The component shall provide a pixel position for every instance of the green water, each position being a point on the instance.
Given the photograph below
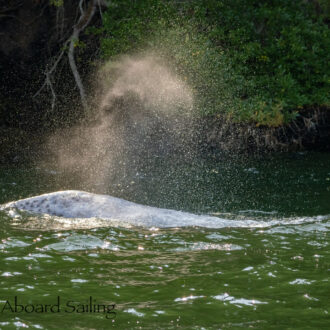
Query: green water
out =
(188, 278)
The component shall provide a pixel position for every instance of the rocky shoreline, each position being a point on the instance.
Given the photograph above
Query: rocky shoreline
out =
(310, 131)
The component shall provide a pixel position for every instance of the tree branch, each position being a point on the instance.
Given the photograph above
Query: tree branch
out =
(48, 73)
(70, 44)
(83, 21)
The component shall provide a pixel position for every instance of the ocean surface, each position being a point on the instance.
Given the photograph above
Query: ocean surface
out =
(250, 248)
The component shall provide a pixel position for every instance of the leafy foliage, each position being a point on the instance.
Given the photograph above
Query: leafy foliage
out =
(260, 61)
(56, 3)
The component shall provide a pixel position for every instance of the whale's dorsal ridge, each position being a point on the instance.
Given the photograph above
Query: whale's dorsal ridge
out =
(81, 204)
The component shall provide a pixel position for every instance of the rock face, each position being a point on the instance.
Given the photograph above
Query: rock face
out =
(25, 27)
(31, 34)
(310, 131)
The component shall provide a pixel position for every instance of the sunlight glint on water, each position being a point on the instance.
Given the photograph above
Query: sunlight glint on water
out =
(276, 276)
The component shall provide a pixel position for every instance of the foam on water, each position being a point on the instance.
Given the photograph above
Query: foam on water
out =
(72, 206)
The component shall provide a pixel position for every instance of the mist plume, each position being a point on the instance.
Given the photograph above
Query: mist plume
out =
(143, 110)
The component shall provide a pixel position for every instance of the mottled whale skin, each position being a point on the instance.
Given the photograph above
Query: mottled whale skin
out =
(80, 204)
(84, 205)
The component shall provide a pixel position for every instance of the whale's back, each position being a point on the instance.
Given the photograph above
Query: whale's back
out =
(80, 204)
(84, 205)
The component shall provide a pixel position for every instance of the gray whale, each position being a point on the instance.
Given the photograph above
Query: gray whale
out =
(80, 204)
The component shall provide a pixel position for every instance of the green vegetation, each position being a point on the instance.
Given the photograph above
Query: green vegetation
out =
(248, 60)
(56, 3)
